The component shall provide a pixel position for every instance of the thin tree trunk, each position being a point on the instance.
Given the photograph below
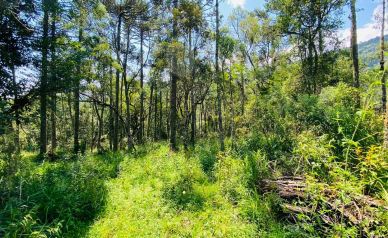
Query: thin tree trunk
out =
(354, 49)
(116, 117)
(150, 110)
(156, 112)
(15, 91)
(186, 118)
(111, 102)
(221, 130)
(383, 88)
(92, 137)
(242, 89)
(193, 105)
(54, 93)
(43, 86)
(174, 79)
(76, 98)
(127, 99)
(160, 114)
(141, 89)
(231, 103)
(70, 112)
(100, 124)
(167, 116)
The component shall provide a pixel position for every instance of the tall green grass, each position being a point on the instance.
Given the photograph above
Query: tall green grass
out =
(149, 193)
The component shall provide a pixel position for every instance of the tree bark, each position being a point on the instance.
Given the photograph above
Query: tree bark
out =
(220, 128)
(193, 104)
(54, 93)
(17, 130)
(383, 88)
(160, 114)
(174, 79)
(150, 110)
(111, 102)
(156, 113)
(127, 99)
(76, 98)
(354, 49)
(231, 103)
(141, 88)
(116, 117)
(43, 86)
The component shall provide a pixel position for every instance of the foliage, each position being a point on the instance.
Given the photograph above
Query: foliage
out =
(51, 199)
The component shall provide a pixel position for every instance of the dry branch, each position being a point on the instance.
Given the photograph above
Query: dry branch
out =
(362, 208)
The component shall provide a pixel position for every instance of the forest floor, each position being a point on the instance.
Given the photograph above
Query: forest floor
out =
(149, 193)
(161, 194)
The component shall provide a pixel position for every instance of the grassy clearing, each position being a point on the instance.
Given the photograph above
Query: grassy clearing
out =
(159, 194)
(150, 193)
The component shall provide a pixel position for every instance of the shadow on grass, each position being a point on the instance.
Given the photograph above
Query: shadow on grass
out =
(56, 198)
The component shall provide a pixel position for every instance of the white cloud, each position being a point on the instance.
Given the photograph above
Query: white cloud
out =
(368, 31)
(236, 3)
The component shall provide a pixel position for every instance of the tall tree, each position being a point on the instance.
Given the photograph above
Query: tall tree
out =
(15, 48)
(77, 92)
(308, 23)
(53, 81)
(44, 79)
(218, 80)
(118, 52)
(354, 48)
(174, 79)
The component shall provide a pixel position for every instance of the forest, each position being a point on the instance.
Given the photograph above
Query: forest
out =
(165, 118)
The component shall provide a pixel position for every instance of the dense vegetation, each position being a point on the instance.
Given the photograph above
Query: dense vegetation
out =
(140, 118)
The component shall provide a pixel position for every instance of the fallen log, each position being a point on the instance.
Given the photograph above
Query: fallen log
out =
(361, 208)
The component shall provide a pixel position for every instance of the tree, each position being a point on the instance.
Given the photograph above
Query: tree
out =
(53, 78)
(218, 80)
(354, 48)
(307, 23)
(44, 79)
(383, 88)
(174, 79)
(15, 46)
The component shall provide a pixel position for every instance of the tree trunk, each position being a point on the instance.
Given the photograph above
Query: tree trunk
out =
(150, 110)
(383, 88)
(116, 117)
(127, 99)
(100, 124)
(174, 79)
(231, 103)
(186, 117)
(193, 104)
(160, 114)
(92, 134)
(221, 131)
(43, 86)
(76, 98)
(15, 90)
(167, 117)
(242, 89)
(354, 49)
(156, 112)
(53, 83)
(111, 102)
(141, 89)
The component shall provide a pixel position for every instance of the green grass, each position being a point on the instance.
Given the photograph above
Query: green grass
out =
(150, 193)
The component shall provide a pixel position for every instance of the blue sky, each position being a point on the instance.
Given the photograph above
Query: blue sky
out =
(366, 23)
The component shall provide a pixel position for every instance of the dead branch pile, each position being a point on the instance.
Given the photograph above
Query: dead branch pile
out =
(358, 208)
